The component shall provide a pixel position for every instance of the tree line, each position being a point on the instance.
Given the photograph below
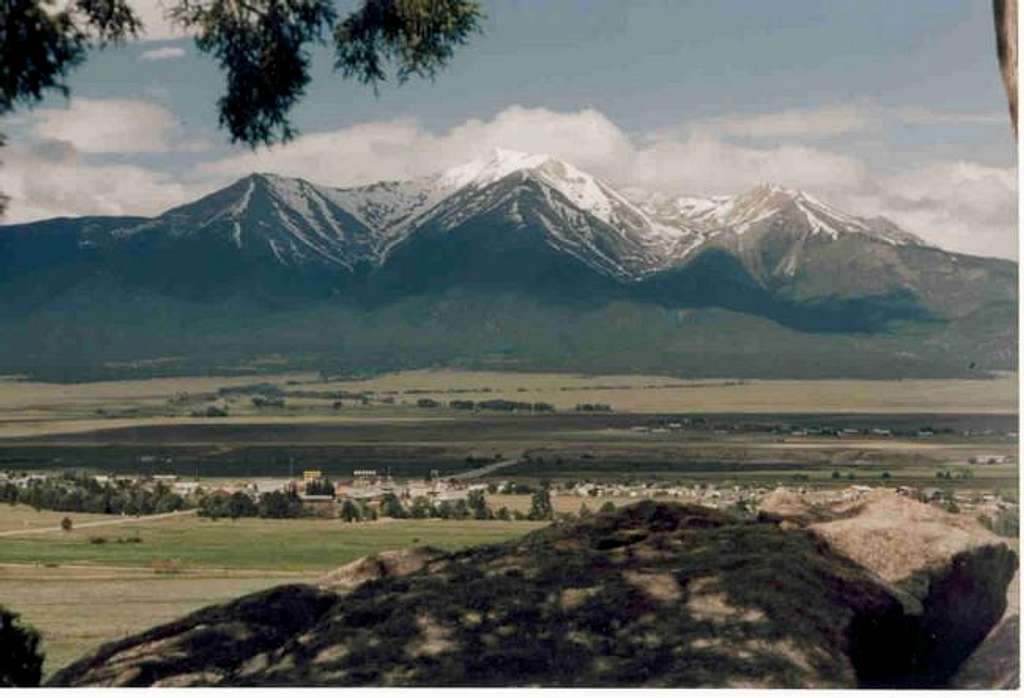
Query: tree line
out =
(288, 505)
(83, 493)
(269, 505)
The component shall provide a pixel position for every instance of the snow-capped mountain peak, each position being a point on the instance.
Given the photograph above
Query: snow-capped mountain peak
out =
(628, 235)
(490, 168)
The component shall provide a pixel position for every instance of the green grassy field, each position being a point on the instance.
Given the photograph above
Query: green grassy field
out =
(80, 594)
(13, 518)
(301, 545)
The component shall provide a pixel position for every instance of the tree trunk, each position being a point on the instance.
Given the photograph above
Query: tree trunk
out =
(1005, 12)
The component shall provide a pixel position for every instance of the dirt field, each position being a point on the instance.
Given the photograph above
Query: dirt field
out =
(76, 609)
(31, 409)
(641, 393)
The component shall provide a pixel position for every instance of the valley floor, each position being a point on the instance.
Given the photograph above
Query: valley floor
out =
(110, 577)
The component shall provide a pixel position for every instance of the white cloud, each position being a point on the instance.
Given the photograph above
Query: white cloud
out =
(51, 179)
(112, 126)
(963, 206)
(824, 122)
(588, 139)
(956, 205)
(401, 149)
(156, 25)
(704, 164)
(924, 116)
(162, 54)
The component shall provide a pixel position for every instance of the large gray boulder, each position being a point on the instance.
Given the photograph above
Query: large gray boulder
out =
(951, 573)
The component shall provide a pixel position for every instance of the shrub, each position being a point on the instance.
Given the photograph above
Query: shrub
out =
(21, 662)
(97, 540)
(477, 504)
(1006, 523)
(391, 507)
(65, 524)
(350, 512)
(166, 566)
(540, 507)
(421, 508)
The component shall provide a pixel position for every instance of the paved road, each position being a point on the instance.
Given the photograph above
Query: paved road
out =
(486, 470)
(95, 524)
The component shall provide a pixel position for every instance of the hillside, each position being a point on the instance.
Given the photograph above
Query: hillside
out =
(652, 595)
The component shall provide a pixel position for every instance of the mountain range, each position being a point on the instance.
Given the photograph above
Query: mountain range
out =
(517, 259)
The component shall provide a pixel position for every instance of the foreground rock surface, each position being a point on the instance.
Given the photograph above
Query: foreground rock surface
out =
(652, 595)
(952, 573)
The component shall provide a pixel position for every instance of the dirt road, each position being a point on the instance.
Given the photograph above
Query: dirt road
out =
(96, 524)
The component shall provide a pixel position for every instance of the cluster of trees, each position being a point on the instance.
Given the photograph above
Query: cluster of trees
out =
(593, 407)
(357, 511)
(269, 505)
(264, 401)
(964, 474)
(83, 493)
(211, 411)
(514, 406)
(474, 506)
(498, 405)
(254, 389)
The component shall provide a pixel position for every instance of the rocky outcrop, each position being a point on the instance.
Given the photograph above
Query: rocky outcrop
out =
(996, 661)
(652, 595)
(390, 563)
(950, 571)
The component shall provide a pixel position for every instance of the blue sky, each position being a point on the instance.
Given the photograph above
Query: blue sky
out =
(883, 107)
